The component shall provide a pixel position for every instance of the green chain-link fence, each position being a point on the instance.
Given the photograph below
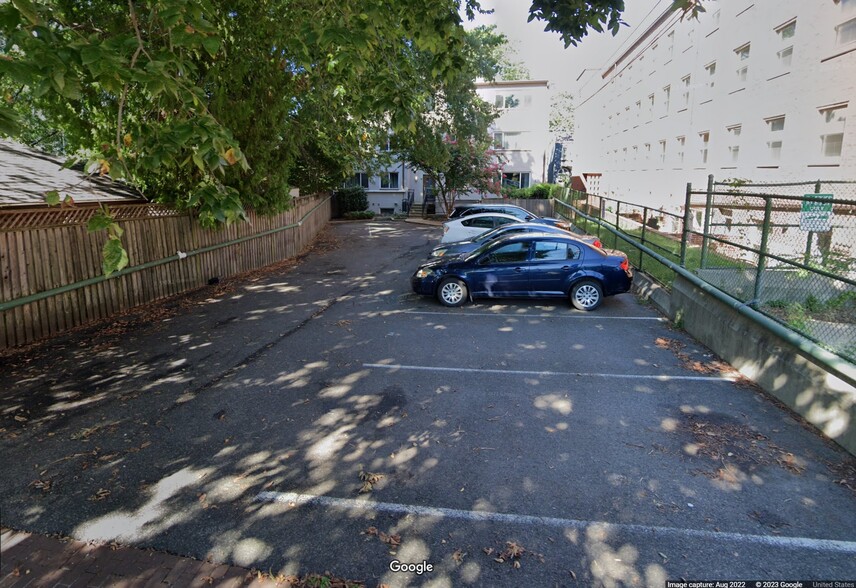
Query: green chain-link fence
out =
(788, 250)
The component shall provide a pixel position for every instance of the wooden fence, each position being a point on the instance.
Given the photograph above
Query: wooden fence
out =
(50, 266)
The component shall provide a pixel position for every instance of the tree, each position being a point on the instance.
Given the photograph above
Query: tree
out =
(494, 56)
(572, 19)
(561, 122)
(450, 142)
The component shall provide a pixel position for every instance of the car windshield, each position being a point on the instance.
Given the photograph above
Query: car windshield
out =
(491, 235)
(479, 250)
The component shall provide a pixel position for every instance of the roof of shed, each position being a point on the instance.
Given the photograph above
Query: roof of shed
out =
(26, 175)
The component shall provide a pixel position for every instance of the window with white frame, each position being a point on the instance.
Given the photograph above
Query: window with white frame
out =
(775, 130)
(742, 54)
(635, 152)
(670, 45)
(679, 153)
(515, 179)
(734, 142)
(845, 32)
(506, 140)
(785, 34)
(647, 152)
(704, 143)
(504, 101)
(389, 180)
(832, 133)
(359, 179)
(667, 97)
(685, 92)
(662, 151)
(710, 71)
(650, 106)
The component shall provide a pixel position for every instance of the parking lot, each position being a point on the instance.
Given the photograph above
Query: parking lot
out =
(323, 417)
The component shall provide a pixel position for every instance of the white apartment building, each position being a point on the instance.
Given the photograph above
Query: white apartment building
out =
(521, 133)
(754, 89)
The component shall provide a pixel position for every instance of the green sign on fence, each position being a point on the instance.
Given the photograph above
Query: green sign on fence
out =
(816, 216)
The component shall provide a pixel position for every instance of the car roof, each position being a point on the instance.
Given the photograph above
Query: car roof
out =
(541, 237)
(482, 215)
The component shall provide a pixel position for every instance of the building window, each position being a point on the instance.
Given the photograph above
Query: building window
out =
(785, 56)
(515, 179)
(389, 181)
(845, 32)
(775, 128)
(667, 96)
(704, 139)
(498, 140)
(685, 92)
(647, 152)
(679, 154)
(505, 140)
(663, 151)
(734, 142)
(776, 124)
(357, 180)
(787, 31)
(710, 69)
(650, 106)
(670, 45)
(742, 54)
(504, 101)
(832, 130)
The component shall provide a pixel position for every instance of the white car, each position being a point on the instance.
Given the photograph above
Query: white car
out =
(473, 225)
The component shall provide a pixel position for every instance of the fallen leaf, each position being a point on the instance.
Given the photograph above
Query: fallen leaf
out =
(458, 556)
(20, 419)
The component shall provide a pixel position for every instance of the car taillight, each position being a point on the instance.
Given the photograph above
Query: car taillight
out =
(625, 264)
(597, 243)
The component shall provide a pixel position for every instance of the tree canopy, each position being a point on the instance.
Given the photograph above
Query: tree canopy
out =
(216, 105)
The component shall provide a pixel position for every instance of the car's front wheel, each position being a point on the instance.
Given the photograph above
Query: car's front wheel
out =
(586, 295)
(452, 292)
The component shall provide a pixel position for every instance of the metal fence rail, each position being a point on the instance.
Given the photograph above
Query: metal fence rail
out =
(787, 250)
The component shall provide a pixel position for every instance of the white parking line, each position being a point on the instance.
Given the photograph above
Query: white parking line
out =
(543, 374)
(368, 507)
(551, 316)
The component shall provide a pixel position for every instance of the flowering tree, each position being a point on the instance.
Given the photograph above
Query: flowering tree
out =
(458, 167)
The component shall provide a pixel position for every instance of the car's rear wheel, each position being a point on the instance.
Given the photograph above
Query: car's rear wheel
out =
(586, 295)
(452, 292)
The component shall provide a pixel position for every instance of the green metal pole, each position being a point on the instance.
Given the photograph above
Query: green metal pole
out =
(762, 254)
(644, 226)
(685, 233)
(707, 207)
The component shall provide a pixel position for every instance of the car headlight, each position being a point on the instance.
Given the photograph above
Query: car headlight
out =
(439, 252)
(423, 272)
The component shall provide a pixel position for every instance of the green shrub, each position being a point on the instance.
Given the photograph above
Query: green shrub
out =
(352, 199)
(359, 215)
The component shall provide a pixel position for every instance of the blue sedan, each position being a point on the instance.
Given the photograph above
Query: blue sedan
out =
(459, 247)
(527, 265)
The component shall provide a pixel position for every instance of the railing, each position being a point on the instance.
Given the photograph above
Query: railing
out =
(788, 255)
(407, 203)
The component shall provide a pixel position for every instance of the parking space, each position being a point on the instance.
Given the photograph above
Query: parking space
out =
(503, 443)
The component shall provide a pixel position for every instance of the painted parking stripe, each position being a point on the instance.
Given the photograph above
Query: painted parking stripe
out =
(551, 316)
(369, 507)
(544, 374)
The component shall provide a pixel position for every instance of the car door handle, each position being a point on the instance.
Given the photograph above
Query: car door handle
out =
(518, 269)
(566, 267)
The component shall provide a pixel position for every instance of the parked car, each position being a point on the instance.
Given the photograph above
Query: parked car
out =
(467, 245)
(473, 225)
(524, 215)
(527, 265)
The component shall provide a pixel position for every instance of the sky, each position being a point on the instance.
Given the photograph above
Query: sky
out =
(544, 53)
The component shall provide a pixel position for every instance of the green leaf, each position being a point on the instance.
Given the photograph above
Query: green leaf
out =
(113, 256)
(52, 198)
(211, 44)
(28, 10)
(100, 221)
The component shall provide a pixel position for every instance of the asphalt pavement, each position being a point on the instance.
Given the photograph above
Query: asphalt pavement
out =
(318, 416)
